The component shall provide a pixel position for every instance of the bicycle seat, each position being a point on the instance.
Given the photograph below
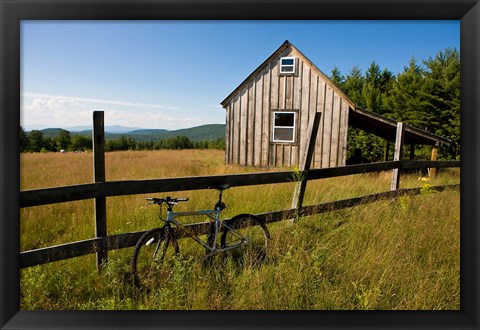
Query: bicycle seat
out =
(220, 187)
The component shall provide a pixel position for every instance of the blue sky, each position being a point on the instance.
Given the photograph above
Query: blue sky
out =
(174, 74)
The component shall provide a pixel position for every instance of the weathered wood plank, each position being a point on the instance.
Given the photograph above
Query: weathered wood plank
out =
(58, 252)
(227, 134)
(332, 172)
(289, 92)
(279, 155)
(351, 202)
(327, 127)
(257, 157)
(281, 92)
(274, 105)
(100, 203)
(317, 157)
(306, 160)
(266, 131)
(274, 86)
(243, 126)
(251, 123)
(297, 87)
(398, 155)
(335, 134)
(296, 105)
(320, 137)
(287, 154)
(342, 158)
(54, 195)
(236, 131)
(433, 171)
(411, 164)
(304, 108)
(46, 196)
(312, 107)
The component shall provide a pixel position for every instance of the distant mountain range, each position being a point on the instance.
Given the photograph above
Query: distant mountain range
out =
(109, 129)
(199, 133)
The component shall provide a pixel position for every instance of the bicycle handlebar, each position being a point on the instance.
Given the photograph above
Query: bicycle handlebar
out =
(167, 200)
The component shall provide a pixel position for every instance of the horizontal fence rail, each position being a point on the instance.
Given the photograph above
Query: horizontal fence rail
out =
(118, 188)
(38, 197)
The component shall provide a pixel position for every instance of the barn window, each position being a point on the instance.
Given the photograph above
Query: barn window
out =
(284, 126)
(287, 65)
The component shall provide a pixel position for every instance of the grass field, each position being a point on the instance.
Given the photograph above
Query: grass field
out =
(401, 254)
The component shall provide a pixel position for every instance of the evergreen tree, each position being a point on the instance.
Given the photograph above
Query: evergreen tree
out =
(37, 141)
(442, 86)
(81, 143)
(63, 140)
(24, 141)
(371, 90)
(353, 86)
(337, 78)
(407, 102)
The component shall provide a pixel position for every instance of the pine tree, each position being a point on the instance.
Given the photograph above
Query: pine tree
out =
(407, 101)
(337, 78)
(37, 141)
(353, 86)
(371, 90)
(443, 94)
(24, 141)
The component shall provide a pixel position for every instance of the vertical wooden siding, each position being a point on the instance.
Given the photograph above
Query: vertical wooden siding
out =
(249, 118)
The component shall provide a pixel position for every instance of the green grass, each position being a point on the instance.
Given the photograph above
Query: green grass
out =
(396, 254)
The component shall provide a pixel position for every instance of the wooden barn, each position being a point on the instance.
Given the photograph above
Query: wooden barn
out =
(267, 116)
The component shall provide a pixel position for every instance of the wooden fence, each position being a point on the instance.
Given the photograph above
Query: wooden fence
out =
(100, 189)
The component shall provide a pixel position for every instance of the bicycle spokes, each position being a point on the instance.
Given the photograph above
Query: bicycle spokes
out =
(152, 257)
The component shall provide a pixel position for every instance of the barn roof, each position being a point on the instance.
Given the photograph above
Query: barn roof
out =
(358, 117)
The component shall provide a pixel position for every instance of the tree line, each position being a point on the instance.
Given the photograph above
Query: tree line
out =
(36, 141)
(425, 95)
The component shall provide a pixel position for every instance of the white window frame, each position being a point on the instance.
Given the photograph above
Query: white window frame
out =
(293, 66)
(294, 127)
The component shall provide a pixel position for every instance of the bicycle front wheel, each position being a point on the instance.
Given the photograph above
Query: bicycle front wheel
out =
(152, 258)
(246, 238)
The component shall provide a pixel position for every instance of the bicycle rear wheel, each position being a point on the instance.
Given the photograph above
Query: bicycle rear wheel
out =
(254, 230)
(152, 258)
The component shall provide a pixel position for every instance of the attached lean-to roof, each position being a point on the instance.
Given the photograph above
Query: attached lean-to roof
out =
(387, 128)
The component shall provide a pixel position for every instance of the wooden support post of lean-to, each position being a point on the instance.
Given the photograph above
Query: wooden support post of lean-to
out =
(398, 156)
(433, 171)
(306, 160)
(98, 138)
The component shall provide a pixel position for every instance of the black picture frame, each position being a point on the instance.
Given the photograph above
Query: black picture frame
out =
(13, 11)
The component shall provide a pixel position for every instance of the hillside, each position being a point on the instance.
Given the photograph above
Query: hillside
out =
(199, 133)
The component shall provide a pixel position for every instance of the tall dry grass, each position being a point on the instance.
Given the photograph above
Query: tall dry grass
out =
(398, 254)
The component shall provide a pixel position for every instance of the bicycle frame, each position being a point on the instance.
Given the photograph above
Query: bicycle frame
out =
(214, 216)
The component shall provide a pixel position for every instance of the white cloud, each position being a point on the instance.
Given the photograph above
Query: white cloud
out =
(47, 110)
(101, 101)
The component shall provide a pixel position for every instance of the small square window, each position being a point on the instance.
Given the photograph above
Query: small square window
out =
(284, 126)
(287, 65)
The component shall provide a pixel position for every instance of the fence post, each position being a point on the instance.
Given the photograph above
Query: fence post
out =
(98, 138)
(433, 171)
(306, 160)
(397, 156)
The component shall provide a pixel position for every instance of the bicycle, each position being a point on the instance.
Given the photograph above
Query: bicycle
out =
(155, 253)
